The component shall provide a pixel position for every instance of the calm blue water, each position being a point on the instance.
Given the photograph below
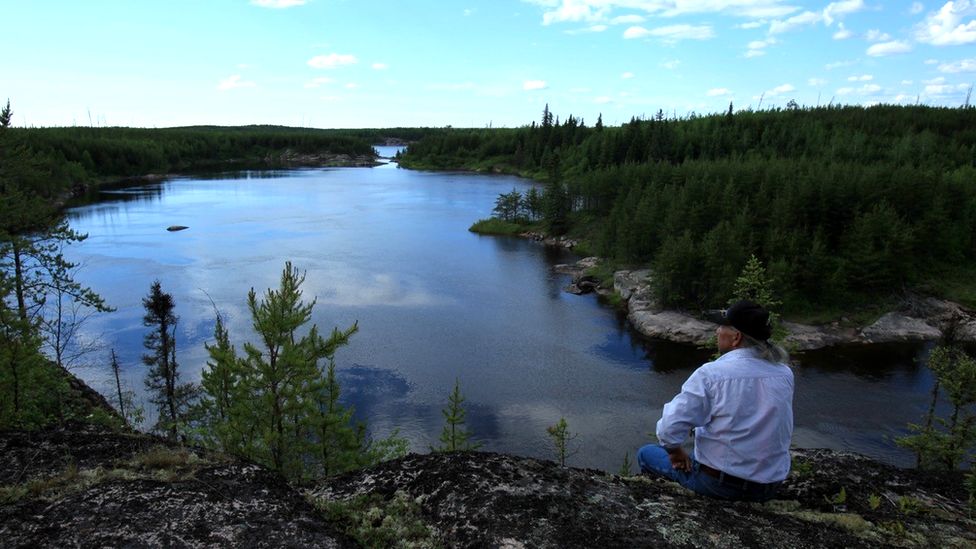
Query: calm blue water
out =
(389, 248)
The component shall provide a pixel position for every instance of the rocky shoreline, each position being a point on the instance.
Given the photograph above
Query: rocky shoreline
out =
(917, 318)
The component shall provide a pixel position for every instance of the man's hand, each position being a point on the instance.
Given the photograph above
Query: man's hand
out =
(680, 460)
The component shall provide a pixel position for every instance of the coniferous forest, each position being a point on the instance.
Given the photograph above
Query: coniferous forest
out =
(843, 205)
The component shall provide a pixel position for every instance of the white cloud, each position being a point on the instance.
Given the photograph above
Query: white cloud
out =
(380, 66)
(931, 61)
(561, 11)
(534, 85)
(585, 30)
(603, 100)
(717, 92)
(945, 89)
(917, 8)
(234, 82)
(839, 64)
(627, 20)
(277, 4)
(963, 65)
(867, 89)
(795, 22)
(907, 82)
(889, 48)
(751, 25)
(843, 33)
(817, 82)
(316, 82)
(332, 61)
(839, 9)
(937, 80)
(861, 78)
(672, 33)
(758, 47)
(671, 65)
(875, 35)
(627, 75)
(784, 88)
(351, 86)
(467, 12)
(947, 26)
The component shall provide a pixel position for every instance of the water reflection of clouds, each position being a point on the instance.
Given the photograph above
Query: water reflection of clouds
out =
(348, 288)
(382, 399)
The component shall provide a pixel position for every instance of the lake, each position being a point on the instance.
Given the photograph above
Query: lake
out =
(389, 248)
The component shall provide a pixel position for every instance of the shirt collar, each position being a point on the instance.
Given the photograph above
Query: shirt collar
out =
(738, 353)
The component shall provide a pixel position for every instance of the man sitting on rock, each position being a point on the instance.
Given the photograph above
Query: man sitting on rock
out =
(741, 409)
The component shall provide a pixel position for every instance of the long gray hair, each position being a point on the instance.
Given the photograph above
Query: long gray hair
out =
(767, 350)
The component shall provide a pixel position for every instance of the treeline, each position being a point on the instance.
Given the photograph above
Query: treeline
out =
(138, 151)
(843, 204)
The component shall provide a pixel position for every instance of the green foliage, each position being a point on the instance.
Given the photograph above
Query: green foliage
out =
(844, 205)
(275, 404)
(454, 437)
(801, 467)
(33, 391)
(497, 226)
(561, 438)
(172, 398)
(626, 466)
(376, 522)
(908, 505)
(874, 502)
(947, 442)
(840, 498)
(509, 207)
(754, 284)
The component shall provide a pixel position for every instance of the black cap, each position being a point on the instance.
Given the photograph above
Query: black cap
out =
(749, 318)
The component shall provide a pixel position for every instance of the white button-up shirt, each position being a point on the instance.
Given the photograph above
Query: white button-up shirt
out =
(742, 410)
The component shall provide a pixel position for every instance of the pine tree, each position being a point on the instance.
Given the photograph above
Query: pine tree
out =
(561, 437)
(286, 380)
(454, 437)
(124, 398)
(224, 409)
(341, 442)
(172, 398)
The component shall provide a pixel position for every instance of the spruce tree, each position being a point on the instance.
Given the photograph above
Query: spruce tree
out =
(172, 398)
(454, 437)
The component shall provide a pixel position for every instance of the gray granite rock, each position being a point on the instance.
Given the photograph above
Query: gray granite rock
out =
(626, 282)
(672, 326)
(897, 327)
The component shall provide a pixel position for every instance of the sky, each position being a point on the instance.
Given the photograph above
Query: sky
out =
(371, 63)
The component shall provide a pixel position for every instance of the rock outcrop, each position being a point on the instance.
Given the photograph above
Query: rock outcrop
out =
(918, 319)
(84, 486)
(87, 487)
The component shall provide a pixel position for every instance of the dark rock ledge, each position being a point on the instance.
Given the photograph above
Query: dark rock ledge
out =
(87, 487)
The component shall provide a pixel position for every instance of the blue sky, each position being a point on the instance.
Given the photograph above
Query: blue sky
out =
(365, 63)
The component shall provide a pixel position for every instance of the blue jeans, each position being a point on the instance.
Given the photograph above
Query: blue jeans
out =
(654, 459)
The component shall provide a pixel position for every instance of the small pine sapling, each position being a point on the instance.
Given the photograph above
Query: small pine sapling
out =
(454, 437)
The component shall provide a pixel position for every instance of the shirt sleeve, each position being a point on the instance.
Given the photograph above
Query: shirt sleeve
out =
(690, 408)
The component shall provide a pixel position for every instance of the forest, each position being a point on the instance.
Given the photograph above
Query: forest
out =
(843, 205)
